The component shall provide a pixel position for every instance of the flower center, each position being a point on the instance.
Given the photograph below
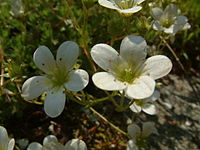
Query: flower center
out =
(166, 21)
(59, 76)
(128, 73)
(125, 4)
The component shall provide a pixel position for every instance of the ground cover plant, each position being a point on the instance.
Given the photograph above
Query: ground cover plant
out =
(99, 74)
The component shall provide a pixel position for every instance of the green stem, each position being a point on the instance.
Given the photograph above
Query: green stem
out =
(173, 53)
(97, 101)
(122, 98)
(112, 99)
(111, 124)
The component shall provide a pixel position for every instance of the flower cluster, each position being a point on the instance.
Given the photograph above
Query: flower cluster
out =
(138, 135)
(146, 104)
(17, 7)
(126, 7)
(168, 20)
(129, 70)
(59, 76)
(51, 143)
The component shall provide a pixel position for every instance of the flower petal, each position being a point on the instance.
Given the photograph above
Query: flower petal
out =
(149, 109)
(148, 128)
(34, 87)
(44, 59)
(157, 26)
(3, 138)
(104, 56)
(133, 130)
(133, 49)
(142, 87)
(106, 81)
(135, 108)
(11, 144)
(76, 144)
(139, 1)
(156, 13)
(171, 11)
(50, 138)
(107, 4)
(186, 26)
(131, 145)
(34, 146)
(54, 102)
(154, 96)
(169, 30)
(67, 54)
(130, 10)
(78, 80)
(180, 23)
(157, 66)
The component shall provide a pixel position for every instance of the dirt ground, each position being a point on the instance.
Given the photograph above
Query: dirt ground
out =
(178, 120)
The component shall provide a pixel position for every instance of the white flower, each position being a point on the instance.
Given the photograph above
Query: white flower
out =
(168, 20)
(129, 71)
(5, 142)
(146, 104)
(59, 76)
(139, 135)
(131, 145)
(126, 7)
(51, 143)
(17, 7)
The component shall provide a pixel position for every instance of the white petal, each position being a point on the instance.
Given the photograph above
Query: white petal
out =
(148, 128)
(181, 21)
(34, 87)
(34, 146)
(131, 145)
(154, 96)
(157, 26)
(157, 66)
(50, 138)
(156, 13)
(142, 87)
(3, 138)
(133, 130)
(78, 80)
(139, 1)
(171, 11)
(67, 54)
(11, 144)
(130, 10)
(104, 56)
(186, 26)
(133, 49)
(54, 103)
(107, 4)
(149, 109)
(76, 144)
(44, 59)
(106, 81)
(170, 30)
(135, 108)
